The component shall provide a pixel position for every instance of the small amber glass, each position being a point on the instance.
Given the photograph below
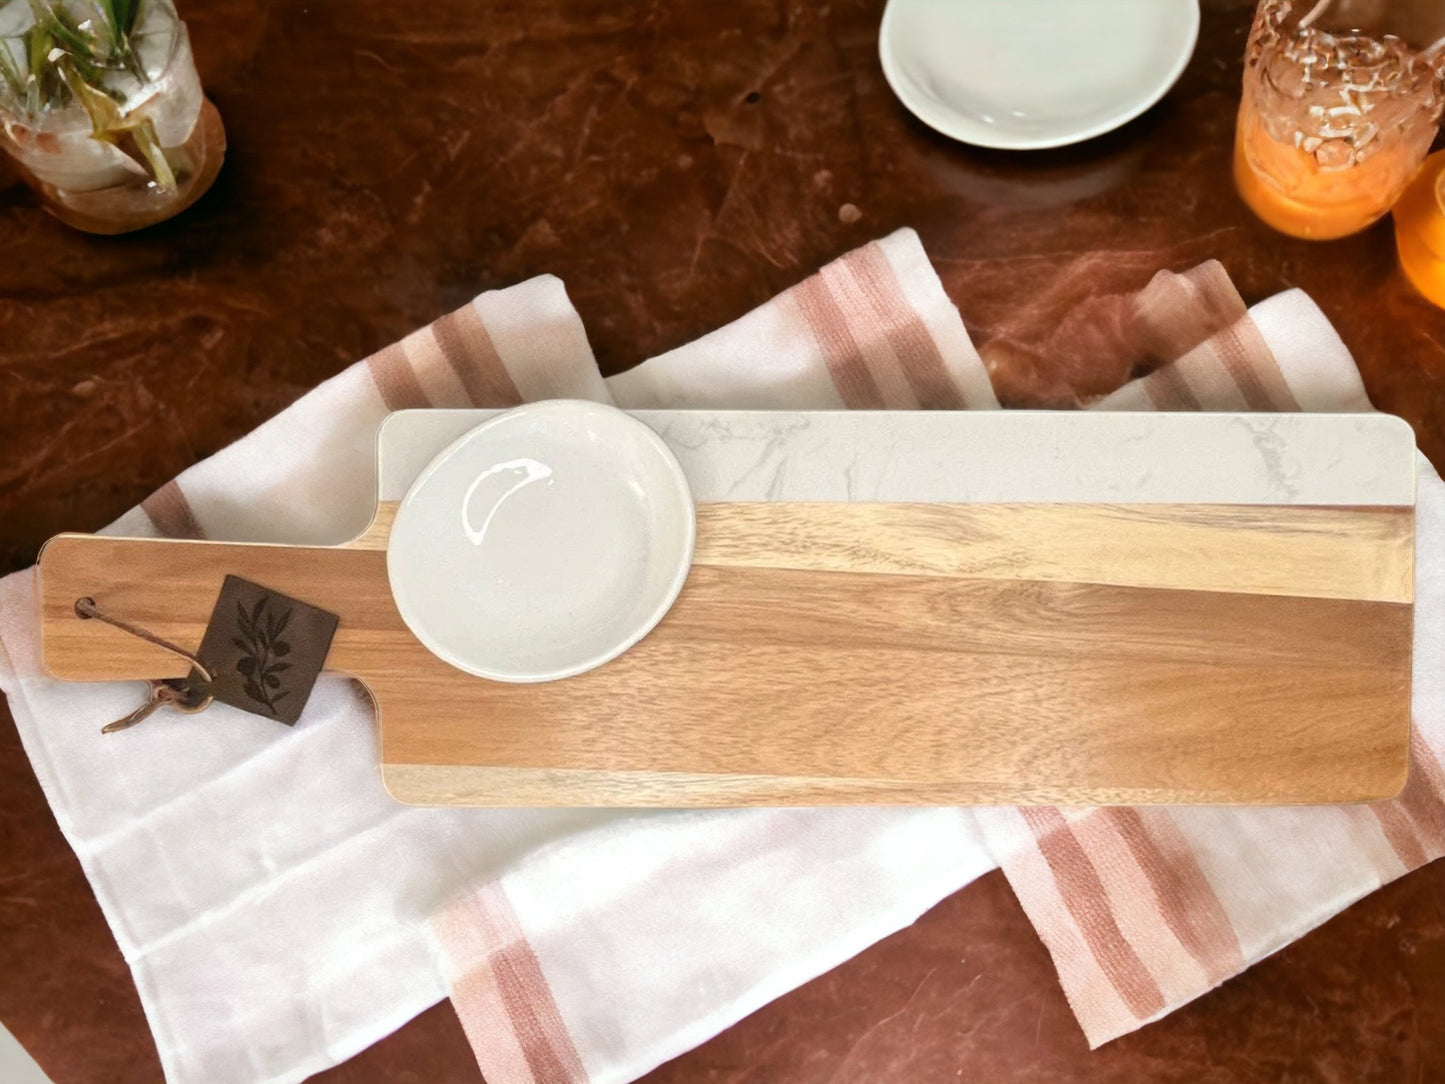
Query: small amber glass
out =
(1420, 229)
(1340, 104)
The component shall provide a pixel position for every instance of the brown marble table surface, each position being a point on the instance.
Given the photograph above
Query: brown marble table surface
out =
(676, 163)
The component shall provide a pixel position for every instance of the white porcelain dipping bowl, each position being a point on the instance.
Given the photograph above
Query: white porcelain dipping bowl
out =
(542, 543)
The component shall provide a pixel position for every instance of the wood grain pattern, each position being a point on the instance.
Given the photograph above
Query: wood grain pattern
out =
(1364, 553)
(800, 665)
(969, 690)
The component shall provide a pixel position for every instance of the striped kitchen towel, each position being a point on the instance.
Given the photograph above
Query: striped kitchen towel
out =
(1145, 909)
(279, 913)
(1142, 909)
(273, 902)
(268, 895)
(870, 331)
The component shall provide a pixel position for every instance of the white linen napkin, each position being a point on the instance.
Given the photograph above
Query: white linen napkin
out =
(270, 898)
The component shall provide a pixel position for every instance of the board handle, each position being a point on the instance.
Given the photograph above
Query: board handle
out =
(169, 587)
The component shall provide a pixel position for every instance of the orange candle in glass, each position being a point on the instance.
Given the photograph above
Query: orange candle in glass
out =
(1420, 230)
(1337, 110)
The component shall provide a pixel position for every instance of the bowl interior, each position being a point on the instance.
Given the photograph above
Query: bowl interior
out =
(542, 543)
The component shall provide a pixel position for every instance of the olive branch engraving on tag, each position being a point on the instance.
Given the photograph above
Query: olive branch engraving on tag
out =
(265, 649)
(262, 651)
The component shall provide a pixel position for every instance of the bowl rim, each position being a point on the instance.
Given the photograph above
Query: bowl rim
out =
(620, 420)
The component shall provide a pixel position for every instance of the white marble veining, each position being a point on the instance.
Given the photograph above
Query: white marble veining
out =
(995, 456)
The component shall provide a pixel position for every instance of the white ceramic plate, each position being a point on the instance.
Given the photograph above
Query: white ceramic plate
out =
(542, 543)
(1028, 74)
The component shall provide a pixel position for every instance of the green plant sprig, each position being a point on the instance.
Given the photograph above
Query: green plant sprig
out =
(11, 73)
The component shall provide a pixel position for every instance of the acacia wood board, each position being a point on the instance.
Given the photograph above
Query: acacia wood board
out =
(982, 619)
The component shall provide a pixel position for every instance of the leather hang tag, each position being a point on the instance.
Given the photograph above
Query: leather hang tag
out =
(265, 650)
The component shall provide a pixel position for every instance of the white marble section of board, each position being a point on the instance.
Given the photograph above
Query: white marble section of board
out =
(1011, 456)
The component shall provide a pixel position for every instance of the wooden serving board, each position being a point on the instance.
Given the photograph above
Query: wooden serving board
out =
(905, 608)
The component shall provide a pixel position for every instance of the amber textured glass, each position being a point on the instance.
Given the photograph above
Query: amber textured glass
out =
(1340, 104)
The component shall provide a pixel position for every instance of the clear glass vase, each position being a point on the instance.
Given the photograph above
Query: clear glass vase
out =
(106, 121)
